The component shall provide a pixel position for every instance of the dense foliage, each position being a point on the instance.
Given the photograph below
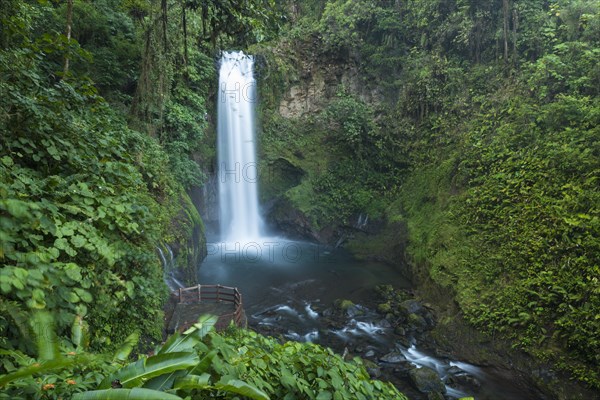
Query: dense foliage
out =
(85, 200)
(476, 125)
(194, 365)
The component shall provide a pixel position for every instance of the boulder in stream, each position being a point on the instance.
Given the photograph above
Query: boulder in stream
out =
(435, 396)
(417, 322)
(373, 369)
(392, 358)
(427, 380)
(411, 306)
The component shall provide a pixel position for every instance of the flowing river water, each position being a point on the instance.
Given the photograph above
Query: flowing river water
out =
(289, 289)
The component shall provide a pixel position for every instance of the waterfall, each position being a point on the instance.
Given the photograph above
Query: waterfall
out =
(169, 268)
(240, 220)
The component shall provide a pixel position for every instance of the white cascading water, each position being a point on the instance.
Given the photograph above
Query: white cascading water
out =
(240, 220)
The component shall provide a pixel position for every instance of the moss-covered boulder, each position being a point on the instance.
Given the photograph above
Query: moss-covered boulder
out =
(427, 380)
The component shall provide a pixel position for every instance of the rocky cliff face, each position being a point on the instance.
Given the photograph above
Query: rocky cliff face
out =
(318, 83)
(297, 149)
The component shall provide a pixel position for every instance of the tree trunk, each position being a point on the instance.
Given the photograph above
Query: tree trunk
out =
(185, 41)
(505, 9)
(69, 25)
(163, 6)
(514, 35)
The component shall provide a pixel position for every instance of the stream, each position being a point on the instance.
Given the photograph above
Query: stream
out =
(289, 289)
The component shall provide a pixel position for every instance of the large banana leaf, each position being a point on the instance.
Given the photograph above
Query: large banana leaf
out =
(240, 387)
(126, 348)
(205, 363)
(79, 332)
(125, 394)
(177, 342)
(164, 381)
(136, 374)
(193, 382)
(231, 386)
(42, 325)
(191, 337)
(204, 325)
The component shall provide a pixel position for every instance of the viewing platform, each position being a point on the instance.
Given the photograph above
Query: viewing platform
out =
(187, 304)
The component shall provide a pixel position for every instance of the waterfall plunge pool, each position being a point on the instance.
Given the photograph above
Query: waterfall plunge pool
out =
(289, 288)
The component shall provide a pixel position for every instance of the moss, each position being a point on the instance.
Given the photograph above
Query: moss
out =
(384, 308)
(343, 304)
(187, 239)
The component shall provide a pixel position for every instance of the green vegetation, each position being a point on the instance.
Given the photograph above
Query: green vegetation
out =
(338, 151)
(194, 365)
(103, 114)
(470, 130)
(83, 200)
(474, 125)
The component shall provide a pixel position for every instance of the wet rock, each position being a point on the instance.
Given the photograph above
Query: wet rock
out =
(374, 373)
(402, 369)
(384, 308)
(463, 379)
(392, 357)
(429, 319)
(427, 380)
(373, 369)
(384, 323)
(458, 377)
(385, 291)
(403, 342)
(411, 306)
(333, 324)
(400, 331)
(370, 354)
(441, 353)
(343, 304)
(435, 396)
(354, 311)
(417, 322)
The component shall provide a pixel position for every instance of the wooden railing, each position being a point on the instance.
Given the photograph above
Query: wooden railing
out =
(216, 294)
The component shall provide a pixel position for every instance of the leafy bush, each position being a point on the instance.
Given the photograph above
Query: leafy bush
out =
(295, 370)
(83, 200)
(190, 365)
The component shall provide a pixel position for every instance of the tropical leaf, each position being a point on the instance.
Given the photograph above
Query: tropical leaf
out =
(126, 348)
(243, 388)
(204, 325)
(190, 337)
(125, 394)
(79, 332)
(42, 324)
(165, 381)
(193, 382)
(177, 342)
(136, 374)
(205, 363)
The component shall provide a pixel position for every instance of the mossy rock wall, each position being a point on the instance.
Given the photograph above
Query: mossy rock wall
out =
(188, 241)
